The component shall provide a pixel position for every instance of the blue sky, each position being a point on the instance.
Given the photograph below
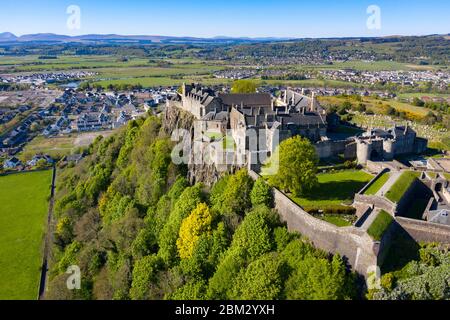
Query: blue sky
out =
(264, 18)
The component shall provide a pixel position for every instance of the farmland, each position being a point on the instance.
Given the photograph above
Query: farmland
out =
(24, 199)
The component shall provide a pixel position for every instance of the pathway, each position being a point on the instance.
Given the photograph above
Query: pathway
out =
(387, 186)
(368, 222)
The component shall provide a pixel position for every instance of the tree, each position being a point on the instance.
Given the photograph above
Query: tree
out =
(244, 86)
(198, 223)
(41, 164)
(193, 290)
(261, 194)
(187, 202)
(297, 166)
(144, 273)
(252, 239)
(417, 102)
(261, 280)
(235, 198)
(319, 279)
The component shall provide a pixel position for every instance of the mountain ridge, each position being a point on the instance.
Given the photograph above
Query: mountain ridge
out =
(53, 37)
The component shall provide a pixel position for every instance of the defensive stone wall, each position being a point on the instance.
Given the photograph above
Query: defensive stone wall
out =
(379, 202)
(424, 231)
(350, 242)
(327, 149)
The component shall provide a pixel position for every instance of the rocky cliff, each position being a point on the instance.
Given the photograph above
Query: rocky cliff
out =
(175, 118)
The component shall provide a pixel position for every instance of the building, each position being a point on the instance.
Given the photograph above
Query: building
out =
(91, 122)
(256, 122)
(12, 163)
(33, 162)
(384, 145)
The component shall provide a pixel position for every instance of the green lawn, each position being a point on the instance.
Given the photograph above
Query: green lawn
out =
(376, 186)
(335, 188)
(23, 212)
(380, 225)
(337, 220)
(402, 184)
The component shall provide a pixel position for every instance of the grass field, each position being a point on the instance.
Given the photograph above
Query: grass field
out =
(57, 147)
(23, 211)
(379, 106)
(402, 185)
(335, 189)
(377, 184)
(380, 225)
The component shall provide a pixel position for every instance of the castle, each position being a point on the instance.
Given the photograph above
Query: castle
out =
(230, 127)
(378, 144)
(255, 121)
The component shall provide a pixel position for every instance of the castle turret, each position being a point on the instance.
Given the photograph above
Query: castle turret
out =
(388, 149)
(363, 151)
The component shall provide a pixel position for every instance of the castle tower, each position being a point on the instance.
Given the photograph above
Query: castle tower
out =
(363, 151)
(388, 149)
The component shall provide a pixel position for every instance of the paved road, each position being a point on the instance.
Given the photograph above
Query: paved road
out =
(387, 186)
(367, 223)
(48, 240)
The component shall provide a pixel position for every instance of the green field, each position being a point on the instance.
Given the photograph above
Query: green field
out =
(377, 184)
(380, 225)
(23, 212)
(335, 189)
(402, 185)
(58, 147)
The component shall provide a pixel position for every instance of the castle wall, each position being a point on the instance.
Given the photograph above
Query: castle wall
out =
(329, 148)
(353, 244)
(423, 231)
(405, 144)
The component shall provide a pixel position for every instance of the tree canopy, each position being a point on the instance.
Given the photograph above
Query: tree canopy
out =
(297, 166)
(244, 86)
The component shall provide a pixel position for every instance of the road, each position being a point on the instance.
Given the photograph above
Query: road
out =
(47, 240)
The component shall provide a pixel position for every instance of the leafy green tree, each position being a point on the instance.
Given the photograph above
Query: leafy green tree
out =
(261, 194)
(235, 198)
(193, 290)
(319, 279)
(244, 86)
(144, 273)
(261, 280)
(252, 239)
(206, 254)
(187, 202)
(297, 166)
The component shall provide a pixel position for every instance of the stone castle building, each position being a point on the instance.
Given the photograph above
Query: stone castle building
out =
(231, 126)
(379, 144)
(256, 122)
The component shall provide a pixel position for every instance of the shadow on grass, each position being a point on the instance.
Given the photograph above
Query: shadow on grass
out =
(335, 190)
(403, 250)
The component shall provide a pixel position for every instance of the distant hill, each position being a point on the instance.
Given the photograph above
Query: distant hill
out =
(89, 38)
(7, 36)
(50, 37)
